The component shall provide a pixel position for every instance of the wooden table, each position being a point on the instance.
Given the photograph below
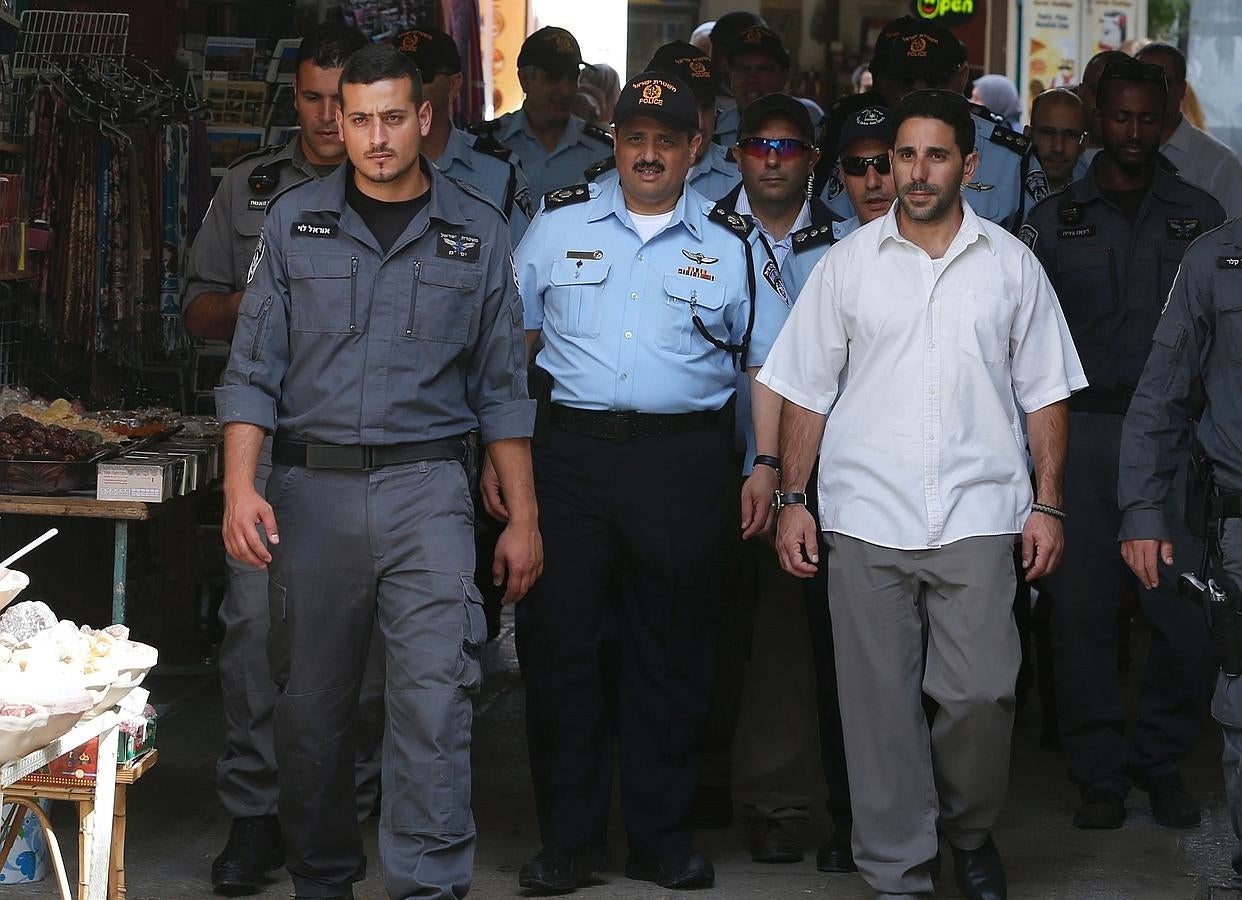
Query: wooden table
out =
(95, 843)
(83, 795)
(69, 506)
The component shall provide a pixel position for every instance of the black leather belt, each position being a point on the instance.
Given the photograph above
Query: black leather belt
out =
(1110, 402)
(286, 452)
(1226, 506)
(626, 425)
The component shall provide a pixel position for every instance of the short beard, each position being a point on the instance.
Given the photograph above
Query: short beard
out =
(384, 176)
(938, 210)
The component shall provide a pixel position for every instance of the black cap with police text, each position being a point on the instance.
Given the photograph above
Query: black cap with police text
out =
(691, 65)
(433, 51)
(552, 49)
(777, 105)
(910, 49)
(869, 122)
(660, 96)
(730, 25)
(757, 39)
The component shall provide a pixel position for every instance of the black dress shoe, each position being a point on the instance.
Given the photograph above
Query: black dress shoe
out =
(1171, 804)
(775, 841)
(254, 848)
(979, 873)
(1100, 808)
(836, 855)
(681, 870)
(562, 871)
(713, 807)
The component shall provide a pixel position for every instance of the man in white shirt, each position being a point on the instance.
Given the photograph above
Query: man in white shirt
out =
(1200, 158)
(918, 332)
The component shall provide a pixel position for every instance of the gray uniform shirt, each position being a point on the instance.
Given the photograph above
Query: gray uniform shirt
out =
(1112, 276)
(225, 243)
(340, 343)
(1199, 337)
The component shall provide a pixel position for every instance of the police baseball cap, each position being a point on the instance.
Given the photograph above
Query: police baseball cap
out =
(552, 49)
(691, 65)
(777, 105)
(660, 96)
(433, 51)
(869, 122)
(730, 25)
(757, 39)
(910, 49)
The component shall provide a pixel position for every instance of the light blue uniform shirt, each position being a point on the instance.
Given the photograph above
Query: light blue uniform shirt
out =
(501, 182)
(615, 312)
(713, 176)
(580, 146)
(1004, 189)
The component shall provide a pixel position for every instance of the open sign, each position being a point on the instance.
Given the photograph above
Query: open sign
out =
(947, 12)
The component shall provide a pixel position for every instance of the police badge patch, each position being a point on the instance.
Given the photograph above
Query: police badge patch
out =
(458, 246)
(1036, 185)
(1183, 229)
(254, 262)
(522, 200)
(1028, 236)
(772, 275)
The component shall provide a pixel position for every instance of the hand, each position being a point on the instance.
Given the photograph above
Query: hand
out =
(244, 508)
(489, 487)
(757, 500)
(1141, 557)
(1043, 541)
(519, 555)
(795, 535)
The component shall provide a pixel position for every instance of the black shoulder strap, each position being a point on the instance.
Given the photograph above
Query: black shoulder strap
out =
(596, 132)
(487, 143)
(1010, 139)
(741, 227)
(510, 192)
(812, 236)
(599, 168)
(566, 196)
(480, 128)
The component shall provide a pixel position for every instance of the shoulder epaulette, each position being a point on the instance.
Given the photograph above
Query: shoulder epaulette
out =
(604, 165)
(487, 127)
(596, 132)
(1007, 137)
(486, 143)
(1167, 164)
(729, 155)
(567, 196)
(284, 190)
(473, 191)
(812, 236)
(255, 154)
(740, 225)
(984, 113)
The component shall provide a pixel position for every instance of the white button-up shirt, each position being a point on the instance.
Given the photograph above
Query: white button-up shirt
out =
(1206, 163)
(923, 445)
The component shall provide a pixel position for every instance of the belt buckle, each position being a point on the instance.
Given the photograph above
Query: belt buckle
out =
(322, 456)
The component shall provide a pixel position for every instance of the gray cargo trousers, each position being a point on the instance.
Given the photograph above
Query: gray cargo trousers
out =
(393, 544)
(1227, 703)
(246, 772)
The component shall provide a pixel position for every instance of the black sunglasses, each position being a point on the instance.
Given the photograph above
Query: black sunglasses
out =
(786, 148)
(858, 165)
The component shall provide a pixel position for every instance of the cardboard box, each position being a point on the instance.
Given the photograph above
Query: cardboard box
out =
(181, 484)
(209, 450)
(151, 481)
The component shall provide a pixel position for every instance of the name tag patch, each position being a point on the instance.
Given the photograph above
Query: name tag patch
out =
(696, 272)
(257, 204)
(451, 245)
(772, 275)
(1229, 262)
(1081, 231)
(1183, 229)
(584, 254)
(312, 229)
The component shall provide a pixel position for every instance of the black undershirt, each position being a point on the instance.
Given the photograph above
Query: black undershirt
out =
(1127, 201)
(386, 220)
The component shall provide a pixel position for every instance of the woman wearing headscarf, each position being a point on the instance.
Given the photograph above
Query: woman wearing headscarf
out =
(998, 94)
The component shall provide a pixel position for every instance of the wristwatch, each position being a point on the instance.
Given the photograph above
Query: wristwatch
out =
(781, 499)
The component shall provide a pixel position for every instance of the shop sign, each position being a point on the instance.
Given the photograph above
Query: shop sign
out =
(950, 13)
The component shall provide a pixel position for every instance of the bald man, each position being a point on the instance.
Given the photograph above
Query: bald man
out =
(1058, 130)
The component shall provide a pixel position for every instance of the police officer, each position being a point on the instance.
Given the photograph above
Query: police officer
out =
(219, 260)
(553, 146)
(714, 172)
(911, 54)
(1194, 358)
(864, 142)
(758, 64)
(478, 160)
(1111, 243)
(761, 734)
(380, 324)
(641, 293)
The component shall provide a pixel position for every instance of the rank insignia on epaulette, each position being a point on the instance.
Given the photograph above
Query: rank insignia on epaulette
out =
(1183, 229)
(566, 196)
(812, 236)
(738, 224)
(1007, 137)
(596, 132)
(485, 143)
(599, 168)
